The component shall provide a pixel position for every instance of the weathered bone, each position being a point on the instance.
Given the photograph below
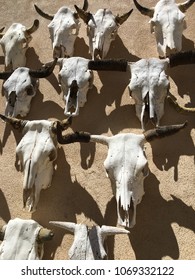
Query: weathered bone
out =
(36, 152)
(23, 240)
(102, 28)
(167, 22)
(88, 242)
(126, 165)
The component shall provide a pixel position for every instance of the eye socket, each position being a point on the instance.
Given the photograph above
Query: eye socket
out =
(30, 91)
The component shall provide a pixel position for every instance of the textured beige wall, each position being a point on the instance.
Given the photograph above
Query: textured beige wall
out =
(80, 190)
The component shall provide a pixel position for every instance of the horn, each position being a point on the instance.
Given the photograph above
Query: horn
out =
(108, 230)
(59, 126)
(5, 75)
(34, 27)
(85, 5)
(45, 235)
(44, 72)
(182, 58)
(121, 19)
(65, 225)
(108, 65)
(184, 6)
(72, 137)
(41, 13)
(179, 108)
(86, 16)
(143, 10)
(16, 123)
(163, 131)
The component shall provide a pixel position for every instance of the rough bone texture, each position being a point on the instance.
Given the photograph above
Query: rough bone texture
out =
(80, 190)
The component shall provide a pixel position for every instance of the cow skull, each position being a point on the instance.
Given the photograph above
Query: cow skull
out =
(88, 242)
(126, 165)
(149, 83)
(20, 87)
(15, 42)
(167, 22)
(23, 240)
(75, 80)
(64, 29)
(36, 152)
(102, 28)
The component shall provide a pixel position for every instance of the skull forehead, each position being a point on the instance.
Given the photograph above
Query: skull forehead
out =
(148, 73)
(167, 13)
(38, 125)
(15, 28)
(63, 18)
(18, 81)
(75, 68)
(103, 19)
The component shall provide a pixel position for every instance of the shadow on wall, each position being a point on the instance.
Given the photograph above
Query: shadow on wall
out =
(62, 202)
(4, 209)
(153, 238)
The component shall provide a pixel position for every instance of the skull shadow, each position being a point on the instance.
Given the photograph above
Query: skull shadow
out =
(62, 202)
(152, 237)
(5, 214)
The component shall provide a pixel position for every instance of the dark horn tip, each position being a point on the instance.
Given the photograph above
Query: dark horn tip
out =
(36, 22)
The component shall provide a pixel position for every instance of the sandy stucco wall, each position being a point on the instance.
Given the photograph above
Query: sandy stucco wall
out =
(80, 190)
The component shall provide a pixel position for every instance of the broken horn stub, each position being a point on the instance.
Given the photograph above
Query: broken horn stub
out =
(182, 58)
(16, 123)
(73, 137)
(34, 27)
(65, 225)
(43, 14)
(121, 19)
(108, 65)
(43, 72)
(45, 235)
(143, 10)
(163, 131)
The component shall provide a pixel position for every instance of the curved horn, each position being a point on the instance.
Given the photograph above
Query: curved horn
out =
(121, 19)
(16, 123)
(163, 131)
(44, 72)
(45, 235)
(108, 230)
(179, 108)
(34, 27)
(182, 58)
(85, 5)
(85, 16)
(72, 137)
(108, 65)
(5, 75)
(64, 225)
(143, 10)
(184, 6)
(43, 14)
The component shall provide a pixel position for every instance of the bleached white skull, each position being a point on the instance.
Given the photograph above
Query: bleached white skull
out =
(23, 240)
(88, 242)
(63, 29)
(167, 22)
(126, 165)
(75, 80)
(149, 83)
(36, 152)
(15, 42)
(149, 86)
(20, 87)
(102, 28)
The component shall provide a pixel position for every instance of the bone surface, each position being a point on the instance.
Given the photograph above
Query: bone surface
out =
(80, 191)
